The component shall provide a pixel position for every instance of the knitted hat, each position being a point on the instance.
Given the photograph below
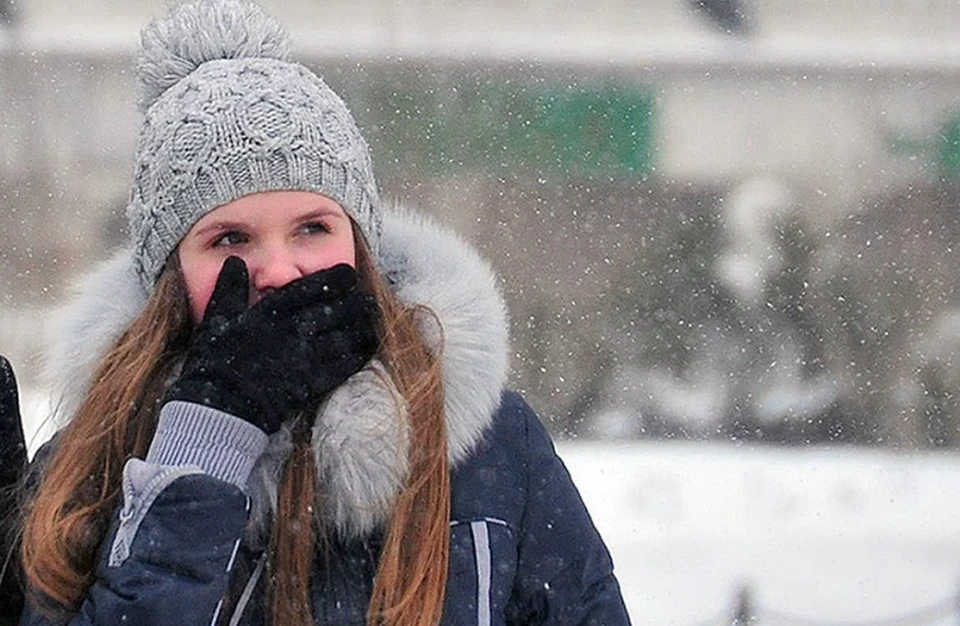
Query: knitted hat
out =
(226, 115)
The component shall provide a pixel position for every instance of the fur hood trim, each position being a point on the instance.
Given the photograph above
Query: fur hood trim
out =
(360, 434)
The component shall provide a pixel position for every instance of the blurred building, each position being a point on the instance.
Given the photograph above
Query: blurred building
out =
(829, 93)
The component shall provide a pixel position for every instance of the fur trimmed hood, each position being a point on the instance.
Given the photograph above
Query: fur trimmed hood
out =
(360, 434)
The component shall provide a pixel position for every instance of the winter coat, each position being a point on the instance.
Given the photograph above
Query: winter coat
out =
(191, 530)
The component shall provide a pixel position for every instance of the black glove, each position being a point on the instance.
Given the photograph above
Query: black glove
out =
(268, 362)
(13, 464)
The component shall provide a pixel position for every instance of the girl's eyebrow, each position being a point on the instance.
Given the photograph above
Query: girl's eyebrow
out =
(319, 212)
(220, 226)
(308, 214)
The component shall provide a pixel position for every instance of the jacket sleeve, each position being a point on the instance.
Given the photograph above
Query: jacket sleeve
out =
(167, 556)
(564, 571)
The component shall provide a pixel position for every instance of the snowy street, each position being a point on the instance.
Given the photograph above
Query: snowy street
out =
(829, 535)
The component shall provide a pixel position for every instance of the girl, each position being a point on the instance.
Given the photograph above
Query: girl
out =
(286, 404)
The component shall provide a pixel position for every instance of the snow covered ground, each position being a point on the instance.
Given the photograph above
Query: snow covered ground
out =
(828, 535)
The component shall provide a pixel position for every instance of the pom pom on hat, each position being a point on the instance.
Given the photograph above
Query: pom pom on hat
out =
(200, 31)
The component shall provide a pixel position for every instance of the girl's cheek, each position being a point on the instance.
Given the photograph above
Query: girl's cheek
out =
(342, 252)
(198, 303)
(200, 286)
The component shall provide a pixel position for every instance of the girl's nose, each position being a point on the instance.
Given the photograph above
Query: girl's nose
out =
(273, 268)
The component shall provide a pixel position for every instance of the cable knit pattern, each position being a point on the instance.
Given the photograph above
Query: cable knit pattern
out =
(225, 116)
(197, 32)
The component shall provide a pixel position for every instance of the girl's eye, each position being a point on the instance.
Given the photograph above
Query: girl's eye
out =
(312, 228)
(230, 238)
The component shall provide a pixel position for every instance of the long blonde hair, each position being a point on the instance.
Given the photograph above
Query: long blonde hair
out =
(66, 521)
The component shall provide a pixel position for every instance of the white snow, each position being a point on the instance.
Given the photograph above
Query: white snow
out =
(838, 535)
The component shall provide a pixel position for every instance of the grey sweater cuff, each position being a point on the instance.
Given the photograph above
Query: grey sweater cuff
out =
(220, 444)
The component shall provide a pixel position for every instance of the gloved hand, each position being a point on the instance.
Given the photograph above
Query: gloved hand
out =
(267, 362)
(13, 464)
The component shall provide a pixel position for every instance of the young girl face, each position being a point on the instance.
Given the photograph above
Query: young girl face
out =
(281, 235)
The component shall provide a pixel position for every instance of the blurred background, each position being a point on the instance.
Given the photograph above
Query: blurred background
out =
(726, 231)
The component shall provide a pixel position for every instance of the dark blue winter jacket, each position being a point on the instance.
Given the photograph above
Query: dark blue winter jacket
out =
(522, 549)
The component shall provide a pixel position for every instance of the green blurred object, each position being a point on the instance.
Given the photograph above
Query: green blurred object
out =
(948, 147)
(538, 130)
(598, 133)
